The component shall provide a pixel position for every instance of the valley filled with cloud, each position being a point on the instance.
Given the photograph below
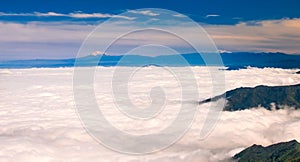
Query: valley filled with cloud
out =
(39, 120)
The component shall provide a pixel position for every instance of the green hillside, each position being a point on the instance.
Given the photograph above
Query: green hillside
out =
(281, 152)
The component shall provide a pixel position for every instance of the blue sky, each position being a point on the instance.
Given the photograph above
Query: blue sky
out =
(56, 28)
(230, 11)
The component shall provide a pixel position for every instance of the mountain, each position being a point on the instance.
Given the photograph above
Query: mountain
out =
(277, 60)
(281, 152)
(233, 61)
(245, 98)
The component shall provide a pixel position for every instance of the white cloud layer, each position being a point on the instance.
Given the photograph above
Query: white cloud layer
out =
(39, 122)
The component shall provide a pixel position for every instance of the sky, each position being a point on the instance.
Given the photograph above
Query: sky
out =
(56, 29)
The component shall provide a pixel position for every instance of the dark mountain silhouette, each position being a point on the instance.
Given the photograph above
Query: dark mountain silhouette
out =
(233, 61)
(245, 98)
(281, 152)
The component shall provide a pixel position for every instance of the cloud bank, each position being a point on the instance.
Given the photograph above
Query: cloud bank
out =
(39, 121)
(62, 38)
(268, 36)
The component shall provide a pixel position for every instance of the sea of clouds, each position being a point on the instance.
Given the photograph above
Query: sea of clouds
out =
(38, 119)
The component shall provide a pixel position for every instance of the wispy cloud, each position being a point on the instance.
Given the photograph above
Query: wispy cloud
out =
(144, 12)
(41, 40)
(38, 14)
(179, 15)
(98, 15)
(63, 38)
(48, 14)
(212, 15)
(267, 35)
(73, 15)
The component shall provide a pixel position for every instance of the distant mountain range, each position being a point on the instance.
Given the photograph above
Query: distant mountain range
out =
(281, 152)
(264, 96)
(231, 60)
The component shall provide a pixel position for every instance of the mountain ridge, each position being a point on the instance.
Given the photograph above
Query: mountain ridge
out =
(283, 152)
(268, 97)
(233, 61)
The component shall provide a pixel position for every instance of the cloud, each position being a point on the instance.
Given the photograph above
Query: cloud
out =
(38, 14)
(291, 23)
(212, 15)
(224, 51)
(38, 121)
(179, 15)
(144, 12)
(98, 15)
(96, 53)
(267, 36)
(54, 39)
(48, 14)
(41, 40)
(15, 14)
(62, 38)
(73, 15)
